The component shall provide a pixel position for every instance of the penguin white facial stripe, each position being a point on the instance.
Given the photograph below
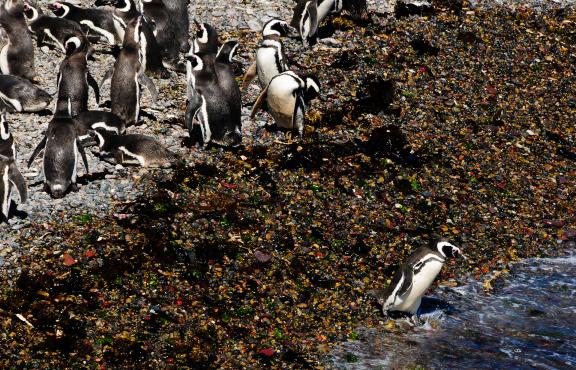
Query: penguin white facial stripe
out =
(204, 34)
(66, 10)
(6, 195)
(441, 245)
(139, 158)
(74, 40)
(126, 7)
(109, 36)
(14, 102)
(268, 31)
(311, 83)
(104, 126)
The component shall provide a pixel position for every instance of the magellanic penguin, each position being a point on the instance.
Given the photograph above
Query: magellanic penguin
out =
(209, 105)
(124, 12)
(56, 30)
(74, 79)
(128, 75)
(166, 32)
(415, 276)
(99, 21)
(270, 57)
(178, 13)
(287, 96)
(308, 14)
(10, 176)
(22, 95)
(135, 149)
(17, 52)
(91, 120)
(206, 42)
(62, 150)
(227, 81)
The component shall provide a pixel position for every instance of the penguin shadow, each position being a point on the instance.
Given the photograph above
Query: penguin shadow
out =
(13, 211)
(94, 176)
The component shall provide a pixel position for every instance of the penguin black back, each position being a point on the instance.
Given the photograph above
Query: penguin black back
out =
(17, 56)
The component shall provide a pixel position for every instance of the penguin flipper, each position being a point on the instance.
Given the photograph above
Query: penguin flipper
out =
(107, 76)
(258, 103)
(194, 104)
(18, 181)
(408, 274)
(94, 85)
(83, 154)
(37, 150)
(249, 76)
(298, 115)
(146, 81)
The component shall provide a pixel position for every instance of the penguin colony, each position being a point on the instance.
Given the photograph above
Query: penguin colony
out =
(148, 37)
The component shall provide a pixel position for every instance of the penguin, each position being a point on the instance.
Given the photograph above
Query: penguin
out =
(22, 95)
(166, 32)
(17, 52)
(227, 81)
(128, 75)
(209, 105)
(74, 79)
(415, 276)
(270, 57)
(10, 176)
(99, 21)
(178, 12)
(57, 30)
(206, 39)
(287, 96)
(97, 119)
(124, 12)
(308, 14)
(135, 149)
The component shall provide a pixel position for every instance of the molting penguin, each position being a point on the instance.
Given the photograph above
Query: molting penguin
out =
(9, 174)
(17, 54)
(166, 32)
(124, 12)
(415, 276)
(287, 96)
(135, 149)
(62, 149)
(74, 78)
(209, 105)
(270, 57)
(22, 95)
(55, 29)
(128, 74)
(98, 20)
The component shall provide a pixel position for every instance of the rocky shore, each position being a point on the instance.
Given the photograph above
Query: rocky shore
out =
(458, 120)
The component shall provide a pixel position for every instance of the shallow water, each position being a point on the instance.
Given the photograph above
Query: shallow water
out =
(528, 322)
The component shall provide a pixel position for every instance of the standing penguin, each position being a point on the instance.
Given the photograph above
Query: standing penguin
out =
(74, 78)
(9, 174)
(124, 12)
(270, 57)
(17, 53)
(308, 14)
(128, 75)
(414, 277)
(209, 105)
(287, 96)
(22, 95)
(166, 32)
(227, 81)
(57, 30)
(178, 12)
(62, 149)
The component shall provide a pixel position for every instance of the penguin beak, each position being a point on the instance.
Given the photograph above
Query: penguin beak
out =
(292, 32)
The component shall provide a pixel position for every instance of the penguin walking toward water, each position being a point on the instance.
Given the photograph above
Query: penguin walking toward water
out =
(124, 12)
(56, 30)
(99, 21)
(22, 95)
(270, 57)
(415, 276)
(135, 149)
(128, 75)
(62, 150)
(17, 52)
(10, 176)
(74, 79)
(287, 96)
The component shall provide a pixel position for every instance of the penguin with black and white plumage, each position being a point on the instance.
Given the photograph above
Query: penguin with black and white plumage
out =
(271, 59)
(135, 149)
(96, 20)
(74, 79)
(17, 51)
(88, 121)
(124, 12)
(287, 96)
(10, 176)
(178, 10)
(208, 105)
(128, 75)
(62, 152)
(415, 276)
(308, 14)
(224, 68)
(56, 30)
(22, 95)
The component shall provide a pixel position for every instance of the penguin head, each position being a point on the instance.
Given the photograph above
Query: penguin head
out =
(195, 61)
(447, 249)
(312, 88)
(72, 45)
(134, 33)
(205, 39)
(227, 52)
(60, 10)
(4, 132)
(30, 12)
(277, 27)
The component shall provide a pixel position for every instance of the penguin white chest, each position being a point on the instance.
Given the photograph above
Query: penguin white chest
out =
(281, 100)
(421, 281)
(268, 65)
